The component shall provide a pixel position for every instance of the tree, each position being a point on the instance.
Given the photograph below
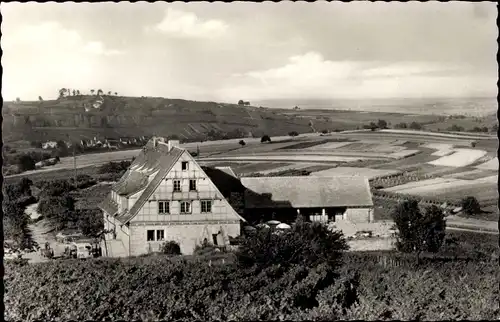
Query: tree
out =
(415, 126)
(74, 92)
(293, 133)
(99, 92)
(373, 126)
(18, 100)
(417, 231)
(62, 92)
(265, 138)
(78, 92)
(246, 103)
(241, 102)
(494, 128)
(382, 124)
(109, 92)
(470, 205)
(242, 143)
(401, 126)
(92, 91)
(116, 93)
(306, 243)
(40, 98)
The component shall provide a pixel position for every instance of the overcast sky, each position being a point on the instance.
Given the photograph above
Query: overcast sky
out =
(252, 51)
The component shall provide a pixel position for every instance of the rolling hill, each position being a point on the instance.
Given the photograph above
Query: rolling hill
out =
(87, 116)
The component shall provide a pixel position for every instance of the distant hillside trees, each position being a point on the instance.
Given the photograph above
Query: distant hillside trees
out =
(242, 102)
(455, 128)
(62, 92)
(494, 128)
(99, 92)
(242, 143)
(402, 125)
(18, 100)
(25, 163)
(92, 91)
(40, 98)
(293, 133)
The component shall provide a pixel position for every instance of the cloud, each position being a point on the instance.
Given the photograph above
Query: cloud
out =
(48, 56)
(311, 76)
(183, 24)
(97, 47)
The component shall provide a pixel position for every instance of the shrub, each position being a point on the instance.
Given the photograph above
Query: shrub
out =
(293, 133)
(401, 126)
(242, 143)
(305, 243)
(470, 205)
(25, 163)
(265, 138)
(171, 248)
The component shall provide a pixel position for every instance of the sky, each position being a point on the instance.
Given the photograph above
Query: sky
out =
(251, 51)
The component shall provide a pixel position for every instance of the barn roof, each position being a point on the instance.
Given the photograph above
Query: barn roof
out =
(227, 170)
(306, 192)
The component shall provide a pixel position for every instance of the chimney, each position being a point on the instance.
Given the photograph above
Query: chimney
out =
(172, 143)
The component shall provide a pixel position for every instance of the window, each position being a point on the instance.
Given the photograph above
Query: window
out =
(185, 207)
(163, 207)
(192, 185)
(206, 206)
(177, 185)
(160, 235)
(184, 165)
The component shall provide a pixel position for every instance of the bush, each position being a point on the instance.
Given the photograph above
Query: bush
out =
(305, 243)
(470, 206)
(265, 138)
(401, 126)
(55, 188)
(25, 163)
(242, 143)
(171, 248)
(293, 133)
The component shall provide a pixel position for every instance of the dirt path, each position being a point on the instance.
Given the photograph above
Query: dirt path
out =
(41, 233)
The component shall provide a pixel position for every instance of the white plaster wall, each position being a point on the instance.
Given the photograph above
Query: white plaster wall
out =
(187, 235)
(358, 215)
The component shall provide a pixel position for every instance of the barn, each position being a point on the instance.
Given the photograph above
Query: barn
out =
(325, 199)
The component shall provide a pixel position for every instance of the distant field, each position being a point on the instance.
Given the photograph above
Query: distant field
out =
(350, 171)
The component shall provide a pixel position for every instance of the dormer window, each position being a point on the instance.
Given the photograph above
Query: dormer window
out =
(185, 165)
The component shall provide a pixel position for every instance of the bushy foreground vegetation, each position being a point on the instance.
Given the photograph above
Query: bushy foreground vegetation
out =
(301, 274)
(153, 288)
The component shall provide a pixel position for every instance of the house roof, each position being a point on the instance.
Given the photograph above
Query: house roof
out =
(145, 173)
(306, 192)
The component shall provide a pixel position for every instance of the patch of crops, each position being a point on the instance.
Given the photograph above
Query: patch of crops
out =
(309, 144)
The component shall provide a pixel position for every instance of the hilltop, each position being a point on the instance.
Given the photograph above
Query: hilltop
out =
(86, 116)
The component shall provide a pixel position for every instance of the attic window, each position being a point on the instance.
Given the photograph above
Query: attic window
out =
(184, 165)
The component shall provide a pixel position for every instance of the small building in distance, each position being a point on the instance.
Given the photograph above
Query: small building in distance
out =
(324, 199)
(165, 196)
